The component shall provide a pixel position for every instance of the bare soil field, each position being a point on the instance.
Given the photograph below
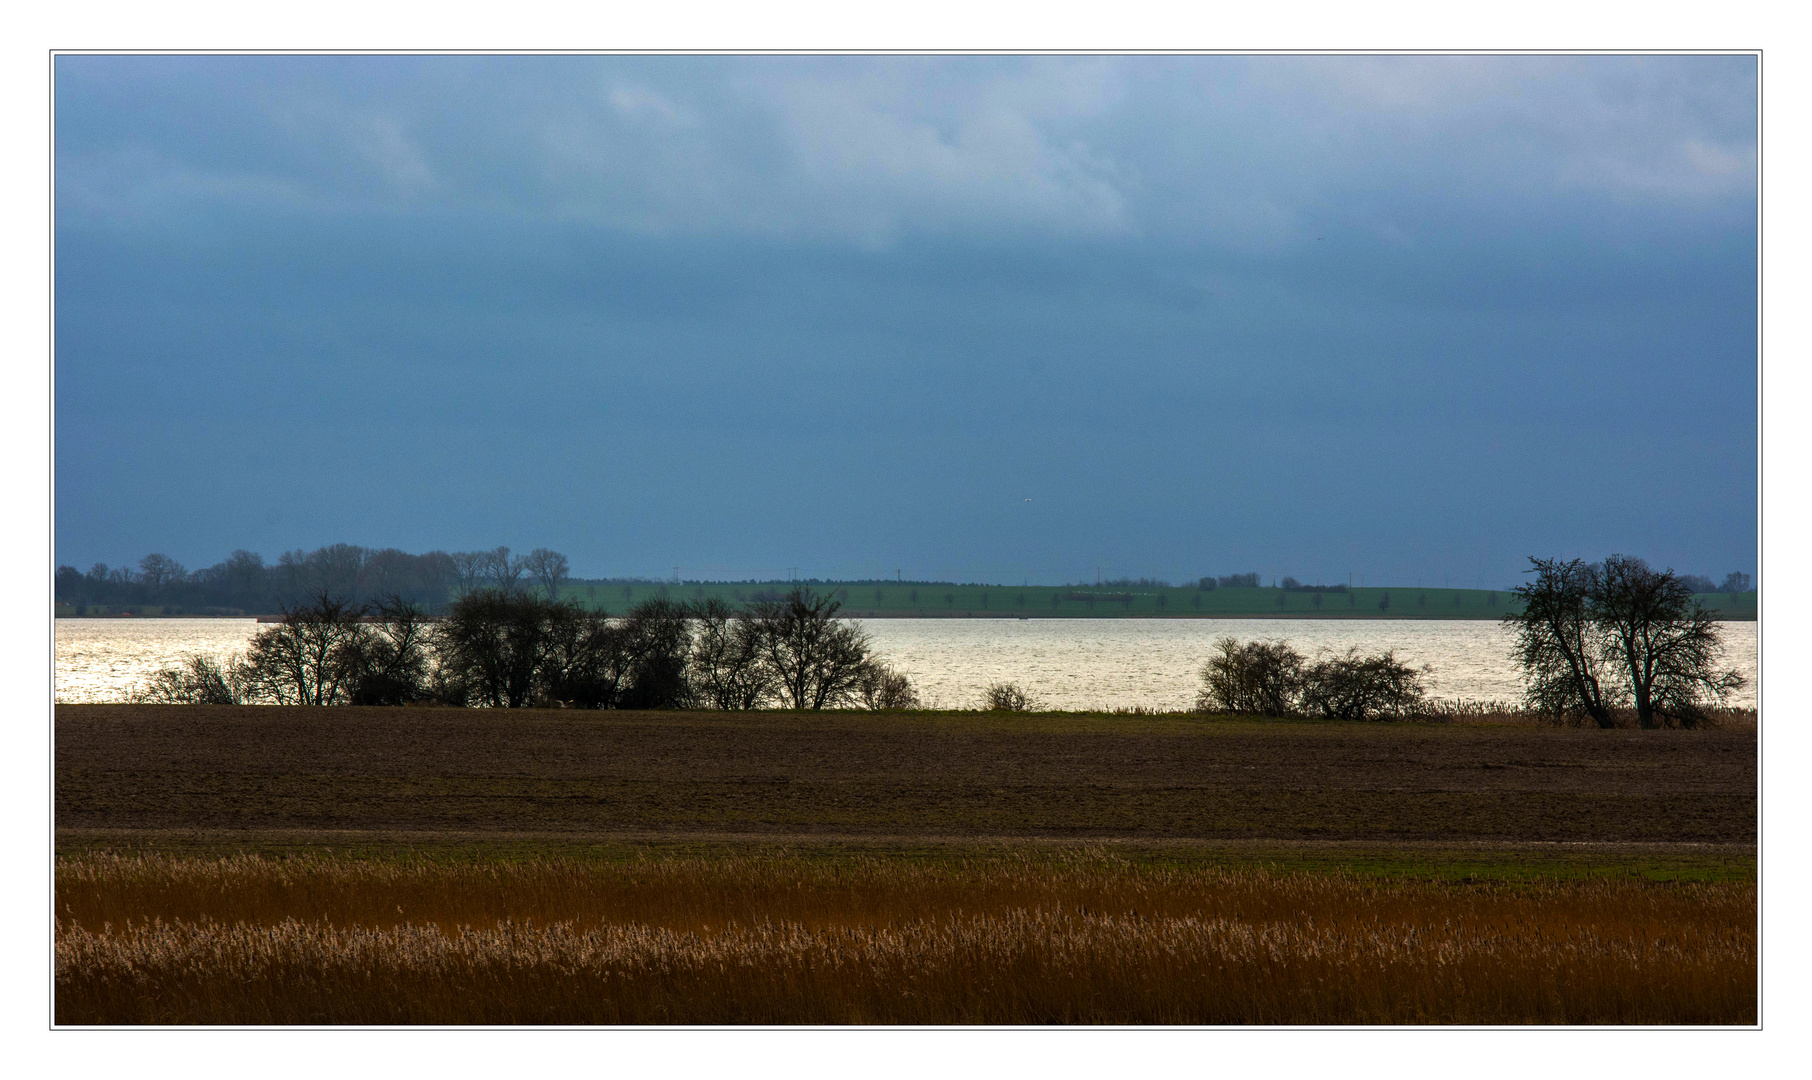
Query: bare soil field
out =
(123, 770)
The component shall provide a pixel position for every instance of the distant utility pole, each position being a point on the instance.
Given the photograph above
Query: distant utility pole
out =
(899, 575)
(676, 575)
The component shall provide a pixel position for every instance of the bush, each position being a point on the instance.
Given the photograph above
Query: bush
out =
(881, 687)
(1269, 678)
(1007, 697)
(1255, 677)
(196, 680)
(1354, 687)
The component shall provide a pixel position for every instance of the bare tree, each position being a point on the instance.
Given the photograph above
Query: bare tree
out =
(504, 572)
(817, 660)
(1594, 638)
(336, 569)
(656, 637)
(1663, 641)
(157, 571)
(390, 660)
(311, 657)
(1736, 582)
(548, 568)
(728, 666)
(468, 569)
(1559, 645)
(516, 651)
(493, 649)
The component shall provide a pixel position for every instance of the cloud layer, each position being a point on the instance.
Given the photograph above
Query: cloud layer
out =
(1244, 304)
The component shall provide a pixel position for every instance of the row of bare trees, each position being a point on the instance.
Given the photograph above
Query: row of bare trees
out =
(501, 649)
(511, 575)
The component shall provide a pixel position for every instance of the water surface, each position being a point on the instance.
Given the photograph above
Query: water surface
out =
(1065, 663)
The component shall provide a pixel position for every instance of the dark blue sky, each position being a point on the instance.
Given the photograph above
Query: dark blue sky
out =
(1406, 318)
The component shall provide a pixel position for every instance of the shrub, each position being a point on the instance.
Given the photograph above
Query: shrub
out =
(1269, 678)
(1354, 687)
(196, 680)
(1007, 697)
(1256, 677)
(881, 687)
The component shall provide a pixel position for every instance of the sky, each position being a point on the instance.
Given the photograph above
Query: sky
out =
(1392, 319)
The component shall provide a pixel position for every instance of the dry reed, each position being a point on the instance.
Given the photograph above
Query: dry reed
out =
(1077, 939)
(1460, 711)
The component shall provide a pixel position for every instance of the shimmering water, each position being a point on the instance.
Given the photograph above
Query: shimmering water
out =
(1065, 663)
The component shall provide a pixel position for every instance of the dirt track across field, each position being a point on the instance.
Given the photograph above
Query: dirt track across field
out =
(783, 776)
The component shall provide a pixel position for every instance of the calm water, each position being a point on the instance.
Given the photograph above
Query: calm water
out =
(1067, 664)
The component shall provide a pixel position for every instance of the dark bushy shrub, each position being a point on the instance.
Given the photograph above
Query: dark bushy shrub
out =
(881, 687)
(1269, 678)
(1007, 697)
(1254, 677)
(1355, 687)
(195, 680)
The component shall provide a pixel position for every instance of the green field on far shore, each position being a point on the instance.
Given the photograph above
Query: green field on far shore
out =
(932, 599)
(883, 599)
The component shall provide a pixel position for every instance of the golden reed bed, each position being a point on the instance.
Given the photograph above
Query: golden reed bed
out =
(1076, 939)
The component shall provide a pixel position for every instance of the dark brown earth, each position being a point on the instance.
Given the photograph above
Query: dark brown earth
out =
(782, 775)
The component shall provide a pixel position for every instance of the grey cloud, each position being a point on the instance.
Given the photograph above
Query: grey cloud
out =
(1245, 152)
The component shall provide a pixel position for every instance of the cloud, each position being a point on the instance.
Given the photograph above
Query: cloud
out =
(1618, 125)
(1251, 153)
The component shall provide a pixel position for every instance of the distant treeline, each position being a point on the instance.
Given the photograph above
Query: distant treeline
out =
(244, 584)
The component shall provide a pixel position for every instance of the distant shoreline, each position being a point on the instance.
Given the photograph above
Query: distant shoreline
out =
(947, 600)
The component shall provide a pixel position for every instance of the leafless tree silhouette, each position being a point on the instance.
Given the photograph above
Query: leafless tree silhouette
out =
(549, 570)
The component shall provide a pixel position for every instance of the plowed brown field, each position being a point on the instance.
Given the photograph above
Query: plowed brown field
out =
(785, 776)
